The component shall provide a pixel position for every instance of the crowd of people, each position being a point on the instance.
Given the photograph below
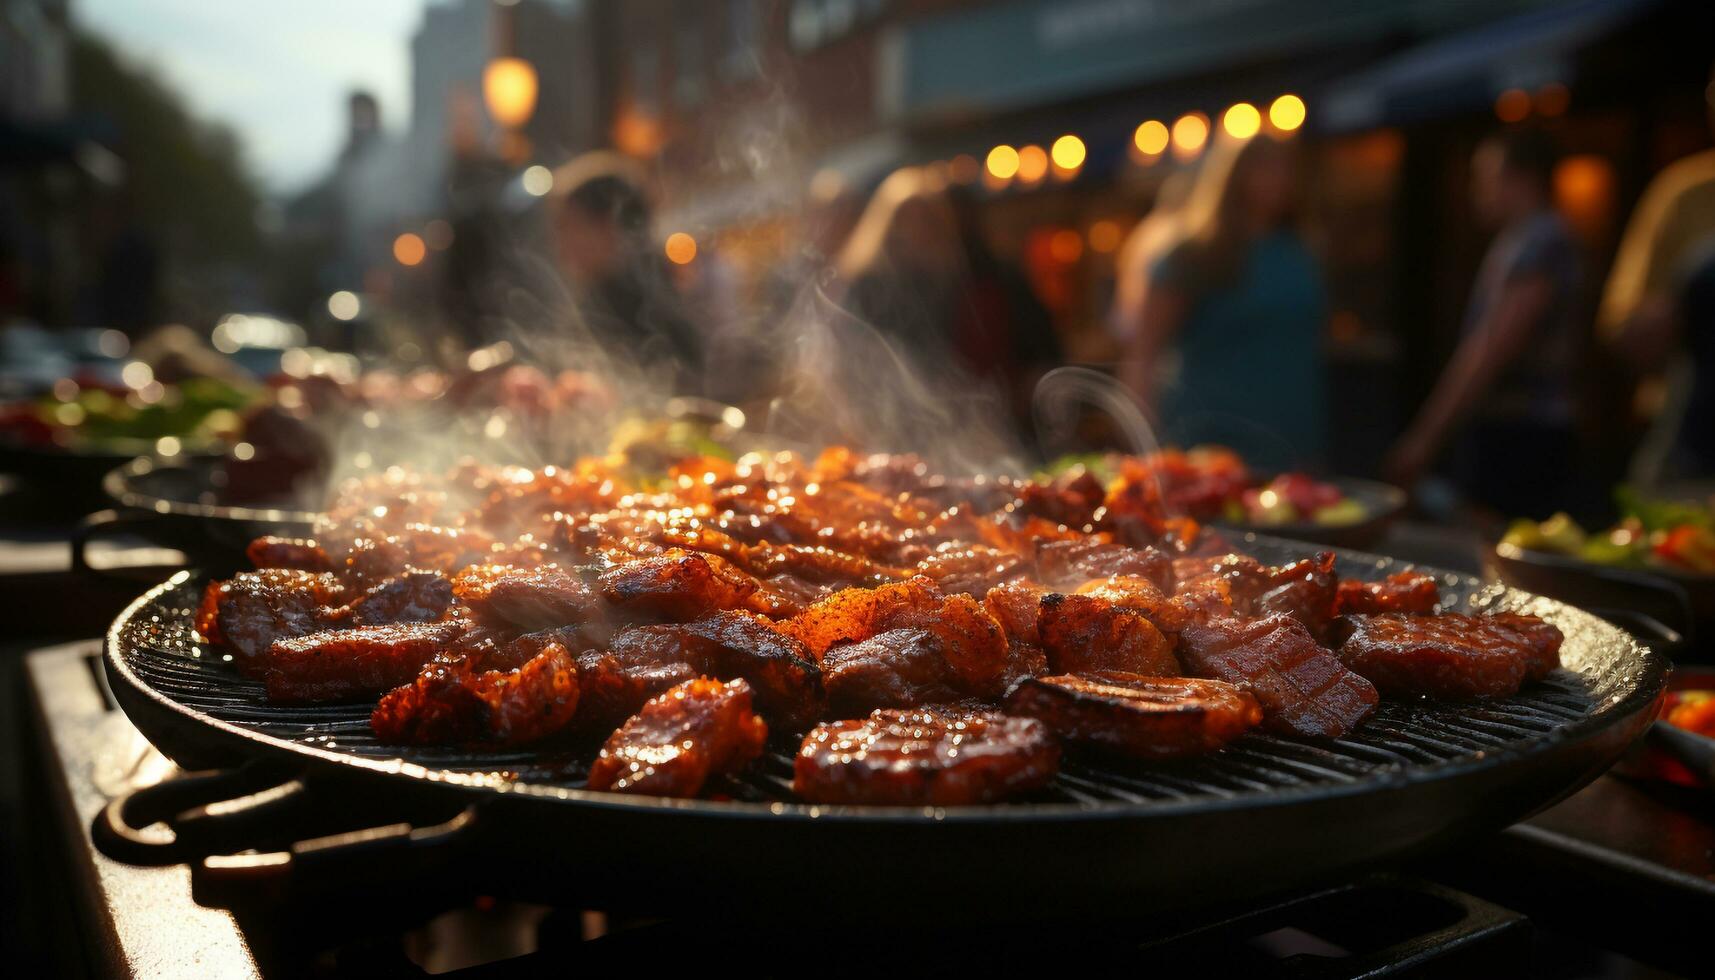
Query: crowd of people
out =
(1219, 310)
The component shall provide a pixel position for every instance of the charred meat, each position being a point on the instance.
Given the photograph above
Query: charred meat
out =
(1451, 656)
(1140, 717)
(681, 739)
(919, 756)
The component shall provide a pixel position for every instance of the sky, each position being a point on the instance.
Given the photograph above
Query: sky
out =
(276, 71)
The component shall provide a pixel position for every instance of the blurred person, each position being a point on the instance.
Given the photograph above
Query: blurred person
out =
(898, 270)
(1154, 233)
(917, 268)
(1504, 400)
(1240, 297)
(127, 292)
(622, 287)
(1656, 312)
(1000, 326)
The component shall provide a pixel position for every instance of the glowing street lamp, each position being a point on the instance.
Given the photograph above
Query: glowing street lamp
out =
(509, 90)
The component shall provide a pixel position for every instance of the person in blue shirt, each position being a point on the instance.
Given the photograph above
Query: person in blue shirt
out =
(1237, 296)
(1503, 406)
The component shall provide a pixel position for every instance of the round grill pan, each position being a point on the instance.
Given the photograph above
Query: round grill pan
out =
(1264, 815)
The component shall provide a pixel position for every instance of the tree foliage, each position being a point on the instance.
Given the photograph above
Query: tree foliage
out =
(185, 178)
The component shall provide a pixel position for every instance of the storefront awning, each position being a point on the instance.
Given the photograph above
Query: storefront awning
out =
(1011, 56)
(1468, 69)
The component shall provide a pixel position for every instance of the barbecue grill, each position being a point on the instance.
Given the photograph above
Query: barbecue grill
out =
(1264, 815)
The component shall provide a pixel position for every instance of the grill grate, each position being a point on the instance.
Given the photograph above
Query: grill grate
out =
(162, 650)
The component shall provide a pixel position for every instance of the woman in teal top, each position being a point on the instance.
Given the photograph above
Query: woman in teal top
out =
(1240, 299)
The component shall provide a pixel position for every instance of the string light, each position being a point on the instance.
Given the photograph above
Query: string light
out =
(1190, 132)
(1151, 137)
(1286, 113)
(1068, 152)
(1032, 163)
(1242, 121)
(1003, 162)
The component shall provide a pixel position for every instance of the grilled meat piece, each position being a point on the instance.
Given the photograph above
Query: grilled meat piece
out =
(347, 664)
(251, 610)
(1305, 590)
(1082, 633)
(269, 551)
(1069, 564)
(1541, 637)
(1401, 592)
(699, 729)
(1141, 596)
(1140, 717)
(414, 597)
(971, 641)
(478, 699)
(529, 598)
(1303, 689)
(855, 614)
(1451, 656)
(678, 585)
(970, 569)
(1016, 606)
(896, 669)
(610, 690)
(734, 644)
(1070, 500)
(375, 554)
(920, 757)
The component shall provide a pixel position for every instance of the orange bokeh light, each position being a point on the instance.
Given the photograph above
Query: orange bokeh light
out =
(409, 249)
(1190, 132)
(1512, 105)
(681, 248)
(1066, 246)
(1032, 163)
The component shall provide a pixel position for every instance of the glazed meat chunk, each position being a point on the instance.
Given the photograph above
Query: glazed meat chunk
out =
(896, 669)
(1305, 590)
(971, 569)
(1016, 606)
(1303, 689)
(971, 641)
(1140, 717)
(340, 665)
(1401, 592)
(698, 730)
(787, 684)
(275, 552)
(678, 585)
(251, 610)
(528, 598)
(611, 690)
(1451, 656)
(415, 597)
(920, 757)
(1082, 633)
(496, 696)
(1141, 596)
(1069, 564)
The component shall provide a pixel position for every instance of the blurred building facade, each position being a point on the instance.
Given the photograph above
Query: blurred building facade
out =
(737, 104)
(35, 140)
